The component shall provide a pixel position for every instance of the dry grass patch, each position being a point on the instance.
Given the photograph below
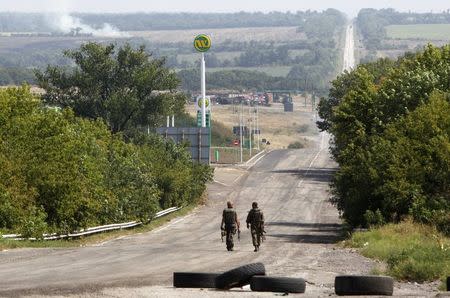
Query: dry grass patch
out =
(278, 127)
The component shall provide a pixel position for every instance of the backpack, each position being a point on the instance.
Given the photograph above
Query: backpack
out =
(229, 216)
(257, 217)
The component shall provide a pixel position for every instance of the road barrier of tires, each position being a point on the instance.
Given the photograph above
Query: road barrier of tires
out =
(94, 230)
(255, 276)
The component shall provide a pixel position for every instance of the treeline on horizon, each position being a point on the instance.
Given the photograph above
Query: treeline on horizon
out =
(39, 22)
(315, 64)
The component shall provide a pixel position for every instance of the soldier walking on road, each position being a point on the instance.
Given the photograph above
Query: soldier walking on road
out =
(255, 220)
(230, 224)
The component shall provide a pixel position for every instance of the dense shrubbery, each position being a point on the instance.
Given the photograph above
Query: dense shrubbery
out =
(391, 127)
(60, 172)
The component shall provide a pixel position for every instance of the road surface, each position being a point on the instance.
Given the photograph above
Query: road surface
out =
(349, 48)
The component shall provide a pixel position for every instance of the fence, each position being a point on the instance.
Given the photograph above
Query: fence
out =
(230, 155)
(93, 230)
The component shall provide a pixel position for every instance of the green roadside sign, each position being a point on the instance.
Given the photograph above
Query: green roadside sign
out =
(202, 43)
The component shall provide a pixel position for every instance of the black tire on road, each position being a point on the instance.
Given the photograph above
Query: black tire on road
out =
(364, 285)
(194, 280)
(448, 283)
(239, 276)
(277, 284)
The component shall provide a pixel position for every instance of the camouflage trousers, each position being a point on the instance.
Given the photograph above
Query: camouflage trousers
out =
(256, 236)
(230, 231)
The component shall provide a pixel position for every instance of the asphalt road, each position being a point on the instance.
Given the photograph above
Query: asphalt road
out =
(349, 49)
(290, 186)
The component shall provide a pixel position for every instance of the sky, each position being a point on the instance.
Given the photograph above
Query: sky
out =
(350, 7)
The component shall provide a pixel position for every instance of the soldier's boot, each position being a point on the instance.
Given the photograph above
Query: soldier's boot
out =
(256, 249)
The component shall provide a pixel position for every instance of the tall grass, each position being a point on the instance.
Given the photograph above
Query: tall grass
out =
(412, 251)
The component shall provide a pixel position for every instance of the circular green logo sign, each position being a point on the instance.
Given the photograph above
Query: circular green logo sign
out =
(200, 103)
(202, 43)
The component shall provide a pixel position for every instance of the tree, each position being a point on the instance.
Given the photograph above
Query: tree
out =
(126, 87)
(391, 133)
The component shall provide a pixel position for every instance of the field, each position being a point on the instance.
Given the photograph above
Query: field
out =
(278, 127)
(276, 71)
(276, 34)
(422, 31)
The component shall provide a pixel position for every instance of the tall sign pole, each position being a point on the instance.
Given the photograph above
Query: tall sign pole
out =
(202, 43)
(203, 84)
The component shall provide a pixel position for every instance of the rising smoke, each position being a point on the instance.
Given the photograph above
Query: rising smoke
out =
(67, 24)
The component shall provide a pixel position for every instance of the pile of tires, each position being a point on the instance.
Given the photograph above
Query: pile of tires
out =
(250, 274)
(255, 275)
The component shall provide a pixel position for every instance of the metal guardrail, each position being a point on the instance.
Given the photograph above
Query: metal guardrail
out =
(94, 230)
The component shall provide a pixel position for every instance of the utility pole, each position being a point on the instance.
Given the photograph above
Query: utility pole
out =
(203, 91)
(250, 127)
(257, 123)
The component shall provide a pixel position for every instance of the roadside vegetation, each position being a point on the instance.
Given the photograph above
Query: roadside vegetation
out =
(412, 251)
(81, 156)
(390, 123)
(6, 244)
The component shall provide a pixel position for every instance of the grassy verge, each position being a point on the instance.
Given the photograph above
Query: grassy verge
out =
(95, 238)
(412, 251)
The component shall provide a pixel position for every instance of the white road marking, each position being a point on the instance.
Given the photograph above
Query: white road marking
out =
(107, 241)
(257, 161)
(172, 223)
(221, 183)
(314, 159)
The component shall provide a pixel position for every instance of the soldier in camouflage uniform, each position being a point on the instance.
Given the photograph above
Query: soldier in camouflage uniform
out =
(255, 220)
(230, 224)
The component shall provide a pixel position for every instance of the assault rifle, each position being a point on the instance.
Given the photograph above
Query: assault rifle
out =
(263, 231)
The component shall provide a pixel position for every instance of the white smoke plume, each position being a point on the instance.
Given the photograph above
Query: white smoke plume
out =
(65, 23)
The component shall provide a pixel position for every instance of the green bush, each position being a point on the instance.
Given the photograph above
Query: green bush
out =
(296, 145)
(62, 172)
(374, 219)
(34, 225)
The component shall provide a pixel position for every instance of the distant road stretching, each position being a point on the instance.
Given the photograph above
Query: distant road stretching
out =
(349, 49)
